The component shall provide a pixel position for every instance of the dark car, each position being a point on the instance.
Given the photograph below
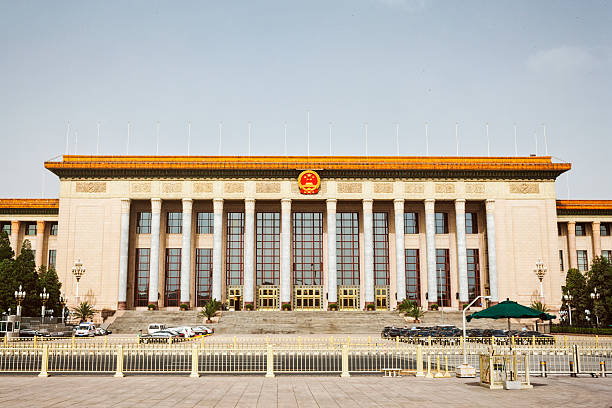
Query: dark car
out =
(29, 333)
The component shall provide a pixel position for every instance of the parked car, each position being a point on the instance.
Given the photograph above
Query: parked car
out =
(202, 330)
(155, 327)
(29, 333)
(160, 336)
(183, 331)
(85, 330)
(102, 332)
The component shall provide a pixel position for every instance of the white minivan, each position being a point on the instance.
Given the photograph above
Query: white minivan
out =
(155, 327)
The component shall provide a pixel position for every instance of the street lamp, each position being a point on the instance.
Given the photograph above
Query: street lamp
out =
(78, 271)
(595, 297)
(19, 296)
(62, 301)
(466, 370)
(540, 272)
(44, 296)
(568, 299)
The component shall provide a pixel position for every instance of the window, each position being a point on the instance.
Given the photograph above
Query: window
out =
(559, 229)
(268, 248)
(441, 223)
(580, 229)
(471, 223)
(30, 228)
(52, 257)
(347, 248)
(583, 261)
(473, 272)
(307, 248)
(381, 248)
(205, 223)
(53, 228)
(173, 276)
(143, 262)
(413, 279)
(443, 277)
(143, 223)
(6, 227)
(561, 259)
(234, 266)
(607, 255)
(411, 223)
(203, 276)
(175, 223)
(604, 229)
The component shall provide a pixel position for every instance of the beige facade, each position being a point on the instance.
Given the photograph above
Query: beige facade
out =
(512, 199)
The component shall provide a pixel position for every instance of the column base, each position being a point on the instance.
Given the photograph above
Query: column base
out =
(121, 305)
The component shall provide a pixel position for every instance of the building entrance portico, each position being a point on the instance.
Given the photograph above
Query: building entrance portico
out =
(267, 297)
(348, 297)
(382, 297)
(308, 298)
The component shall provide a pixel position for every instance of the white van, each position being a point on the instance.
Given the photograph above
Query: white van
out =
(155, 327)
(87, 329)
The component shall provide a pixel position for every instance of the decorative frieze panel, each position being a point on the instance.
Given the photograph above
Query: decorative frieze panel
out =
(266, 187)
(525, 188)
(349, 188)
(141, 187)
(233, 188)
(91, 187)
(475, 188)
(202, 187)
(381, 188)
(172, 187)
(445, 188)
(415, 188)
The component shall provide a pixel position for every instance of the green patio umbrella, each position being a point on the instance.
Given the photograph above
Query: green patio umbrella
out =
(509, 310)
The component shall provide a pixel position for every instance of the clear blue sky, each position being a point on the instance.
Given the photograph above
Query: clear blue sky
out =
(349, 62)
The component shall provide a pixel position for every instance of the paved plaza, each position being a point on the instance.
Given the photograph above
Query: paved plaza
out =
(294, 391)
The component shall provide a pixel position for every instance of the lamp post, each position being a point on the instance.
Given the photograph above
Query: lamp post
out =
(568, 300)
(595, 297)
(466, 370)
(62, 301)
(19, 296)
(78, 271)
(540, 271)
(44, 296)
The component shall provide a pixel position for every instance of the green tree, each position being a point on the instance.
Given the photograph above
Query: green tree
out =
(7, 275)
(84, 311)
(6, 252)
(210, 309)
(600, 277)
(26, 276)
(576, 286)
(47, 278)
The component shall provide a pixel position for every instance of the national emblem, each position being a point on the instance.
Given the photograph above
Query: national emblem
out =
(309, 182)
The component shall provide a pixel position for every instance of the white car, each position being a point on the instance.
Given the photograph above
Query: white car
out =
(85, 330)
(183, 331)
(155, 327)
(202, 330)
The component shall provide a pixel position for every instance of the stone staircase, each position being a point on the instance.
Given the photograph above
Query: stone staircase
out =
(291, 322)
(50, 325)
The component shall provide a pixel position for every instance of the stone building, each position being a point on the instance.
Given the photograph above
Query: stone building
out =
(309, 232)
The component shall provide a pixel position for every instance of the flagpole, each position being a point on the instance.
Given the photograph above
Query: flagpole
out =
(545, 140)
(308, 133)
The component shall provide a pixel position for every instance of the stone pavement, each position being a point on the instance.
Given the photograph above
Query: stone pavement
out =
(294, 391)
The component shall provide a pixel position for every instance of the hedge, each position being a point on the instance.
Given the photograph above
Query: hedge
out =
(580, 330)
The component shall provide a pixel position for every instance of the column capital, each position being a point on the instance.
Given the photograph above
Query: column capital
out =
(285, 204)
(430, 204)
(460, 205)
(187, 205)
(217, 205)
(490, 204)
(398, 204)
(125, 205)
(460, 200)
(331, 205)
(596, 222)
(40, 226)
(249, 204)
(571, 223)
(156, 205)
(367, 204)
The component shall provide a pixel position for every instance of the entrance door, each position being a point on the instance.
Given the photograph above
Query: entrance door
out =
(381, 297)
(267, 298)
(234, 298)
(348, 298)
(308, 298)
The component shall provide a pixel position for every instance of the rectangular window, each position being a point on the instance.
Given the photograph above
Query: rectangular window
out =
(561, 260)
(443, 277)
(205, 223)
(53, 228)
(441, 223)
(143, 262)
(473, 270)
(52, 257)
(583, 261)
(580, 229)
(347, 248)
(143, 223)
(268, 248)
(203, 276)
(607, 255)
(30, 228)
(559, 229)
(604, 229)
(6, 227)
(411, 223)
(175, 223)
(413, 279)
(173, 276)
(471, 223)
(234, 265)
(381, 248)
(307, 248)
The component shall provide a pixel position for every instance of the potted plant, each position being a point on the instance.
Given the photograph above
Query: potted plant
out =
(210, 310)
(249, 307)
(152, 306)
(333, 306)
(184, 306)
(434, 306)
(370, 307)
(415, 312)
(84, 311)
(286, 307)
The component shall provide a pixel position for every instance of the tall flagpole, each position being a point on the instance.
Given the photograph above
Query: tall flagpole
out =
(545, 140)
(515, 142)
(457, 136)
(157, 138)
(488, 141)
(189, 138)
(220, 127)
(76, 141)
(250, 137)
(426, 139)
(397, 138)
(308, 133)
(67, 136)
(98, 140)
(535, 136)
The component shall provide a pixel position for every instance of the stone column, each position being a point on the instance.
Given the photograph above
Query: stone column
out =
(285, 239)
(249, 250)
(430, 236)
(154, 259)
(461, 250)
(217, 248)
(332, 273)
(571, 245)
(40, 243)
(124, 242)
(14, 238)
(368, 251)
(493, 283)
(186, 251)
(596, 238)
(400, 251)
